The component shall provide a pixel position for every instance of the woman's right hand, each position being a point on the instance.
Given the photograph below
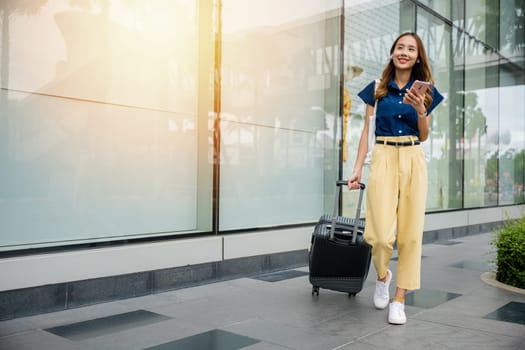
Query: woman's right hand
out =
(353, 181)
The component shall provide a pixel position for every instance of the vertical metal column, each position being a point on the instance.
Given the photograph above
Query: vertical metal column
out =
(341, 102)
(217, 118)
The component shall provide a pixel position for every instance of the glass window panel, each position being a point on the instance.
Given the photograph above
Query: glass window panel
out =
(512, 110)
(482, 21)
(280, 94)
(98, 122)
(370, 29)
(481, 105)
(444, 166)
(512, 143)
(458, 13)
(444, 8)
(512, 30)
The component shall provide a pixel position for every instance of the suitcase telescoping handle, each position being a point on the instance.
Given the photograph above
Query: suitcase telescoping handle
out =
(357, 213)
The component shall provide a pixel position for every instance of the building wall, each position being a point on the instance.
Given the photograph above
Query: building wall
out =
(50, 282)
(83, 264)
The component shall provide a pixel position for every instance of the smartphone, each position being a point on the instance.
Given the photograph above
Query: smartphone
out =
(420, 86)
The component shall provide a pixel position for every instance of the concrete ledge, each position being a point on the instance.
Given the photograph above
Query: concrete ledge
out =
(62, 296)
(489, 278)
(52, 268)
(459, 231)
(259, 243)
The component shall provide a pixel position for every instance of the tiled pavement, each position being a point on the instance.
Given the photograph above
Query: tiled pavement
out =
(454, 310)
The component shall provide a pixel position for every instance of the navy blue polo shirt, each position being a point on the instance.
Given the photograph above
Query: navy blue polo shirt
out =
(393, 117)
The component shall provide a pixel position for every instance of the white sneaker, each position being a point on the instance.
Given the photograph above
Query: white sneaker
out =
(381, 296)
(396, 313)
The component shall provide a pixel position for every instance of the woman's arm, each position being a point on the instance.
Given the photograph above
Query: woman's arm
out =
(423, 124)
(423, 121)
(353, 180)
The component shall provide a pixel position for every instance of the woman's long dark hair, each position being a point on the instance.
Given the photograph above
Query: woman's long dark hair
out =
(420, 71)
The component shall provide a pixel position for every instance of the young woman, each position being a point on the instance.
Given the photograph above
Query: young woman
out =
(397, 184)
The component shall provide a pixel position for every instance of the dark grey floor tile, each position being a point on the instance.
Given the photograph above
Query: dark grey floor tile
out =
(512, 312)
(106, 325)
(212, 340)
(428, 298)
(38, 340)
(281, 275)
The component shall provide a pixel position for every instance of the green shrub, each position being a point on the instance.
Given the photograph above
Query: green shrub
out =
(510, 257)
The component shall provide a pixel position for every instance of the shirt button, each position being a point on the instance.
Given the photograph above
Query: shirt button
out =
(400, 94)
(399, 116)
(400, 131)
(400, 102)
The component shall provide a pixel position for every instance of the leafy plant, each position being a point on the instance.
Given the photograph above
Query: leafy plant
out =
(510, 246)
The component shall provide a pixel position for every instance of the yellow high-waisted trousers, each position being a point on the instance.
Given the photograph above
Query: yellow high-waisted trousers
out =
(395, 203)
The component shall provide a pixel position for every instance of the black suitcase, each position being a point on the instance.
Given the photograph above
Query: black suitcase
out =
(339, 256)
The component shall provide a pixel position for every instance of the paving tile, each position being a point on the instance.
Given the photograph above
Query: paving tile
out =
(215, 339)
(105, 325)
(447, 243)
(417, 335)
(37, 339)
(396, 258)
(427, 298)
(287, 335)
(360, 345)
(468, 312)
(265, 346)
(146, 336)
(512, 312)
(14, 326)
(477, 265)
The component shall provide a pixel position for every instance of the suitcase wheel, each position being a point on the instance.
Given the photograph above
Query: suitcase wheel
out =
(351, 295)
(315, 290)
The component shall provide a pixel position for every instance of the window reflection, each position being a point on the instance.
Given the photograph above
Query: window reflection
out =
(280, 91)
(98, 117)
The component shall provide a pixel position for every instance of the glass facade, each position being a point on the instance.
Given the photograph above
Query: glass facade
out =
(476, 48)
(123, 120)
(104, 108)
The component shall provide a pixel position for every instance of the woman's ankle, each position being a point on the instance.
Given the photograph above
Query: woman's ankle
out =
(399, 299)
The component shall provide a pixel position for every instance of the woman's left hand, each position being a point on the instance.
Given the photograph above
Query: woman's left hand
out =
(415, 100)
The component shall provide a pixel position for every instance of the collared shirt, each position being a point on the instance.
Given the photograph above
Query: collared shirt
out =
(393, 117)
